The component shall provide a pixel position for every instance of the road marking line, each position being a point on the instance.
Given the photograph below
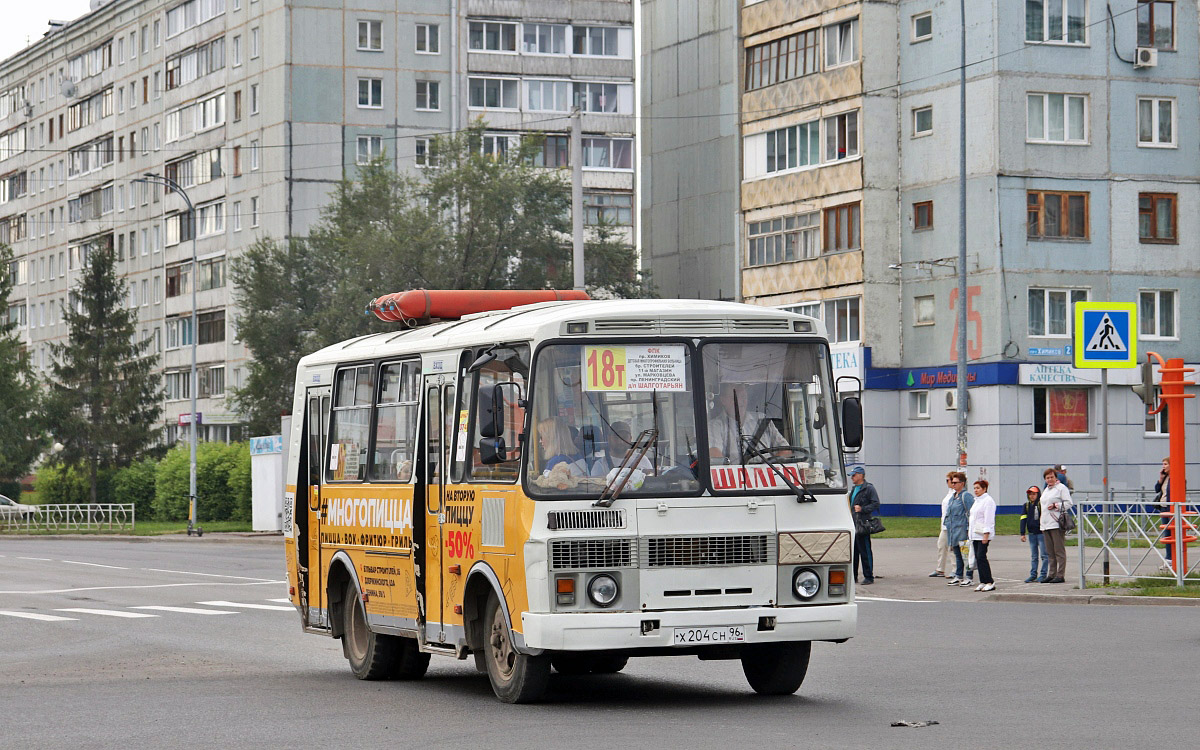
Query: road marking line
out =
(885, 599)
(94, 565)
(143, 586)
(249, 606)
(187, 610)
(284, 600)
(210, 575)
(104, 612)
(36, 616)
(40, 559)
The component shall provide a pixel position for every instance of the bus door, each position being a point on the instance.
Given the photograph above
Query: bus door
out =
(308, 549)
(439, 405)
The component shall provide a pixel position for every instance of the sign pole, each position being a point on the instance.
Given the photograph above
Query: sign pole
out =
(1104, 470)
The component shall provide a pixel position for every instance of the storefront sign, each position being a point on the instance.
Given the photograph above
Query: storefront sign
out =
(847, 362)
(264, 445)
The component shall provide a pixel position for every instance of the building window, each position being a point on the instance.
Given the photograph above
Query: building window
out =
(425, 156)
(237, 51)
(608, 208)
(842, 321)
(841, 136)
(493, 93)
(370, 36)
(598, 41)
(922, 216)
(1060, 411)
(782, 60)
(179, 332)
(548, 96)
(1050, 311)
(490, 36)
(427, 39)
(841, 43)
(1156, 314)
(918, 404)
(253, 155)
(254, 98)
(545, 39)
(370, 93)
(1157, 424)
(369, 147)
(793, 147)
(923, 310)
(254, 212)
(1156, 24)
(210, 327)
(237, 216)
(555, 152)
(177, 384)
(1157, 218)
(427, 96)
(212, 381)
(495, 145)
(253, 43)
(1056, 21)
(842, 228)
(211, 274)
(922, 121)
(922, 27)
(783, 239)
(613, 98)
(1056, 118)
(608, 153)
(237, 106)
(1057, 216)
(1156, 122)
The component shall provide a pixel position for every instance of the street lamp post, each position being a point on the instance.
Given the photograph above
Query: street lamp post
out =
(174, 187)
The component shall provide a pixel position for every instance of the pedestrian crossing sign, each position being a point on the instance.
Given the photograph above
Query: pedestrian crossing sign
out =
(1105, 334)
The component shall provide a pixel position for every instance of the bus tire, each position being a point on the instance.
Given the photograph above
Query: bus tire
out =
(776, 668)
(572, 662)
(409, 663)
(370, 654)
(515, 677)
(609, 664)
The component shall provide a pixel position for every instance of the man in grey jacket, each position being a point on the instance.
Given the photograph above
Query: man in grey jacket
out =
(864, 501)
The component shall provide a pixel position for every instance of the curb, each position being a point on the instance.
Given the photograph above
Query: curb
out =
(216, 537)
(1109, 599)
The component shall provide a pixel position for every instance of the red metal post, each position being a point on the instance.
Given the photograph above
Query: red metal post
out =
(1173, 397)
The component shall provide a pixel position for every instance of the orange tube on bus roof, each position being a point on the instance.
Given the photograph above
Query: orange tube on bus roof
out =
(451, 304)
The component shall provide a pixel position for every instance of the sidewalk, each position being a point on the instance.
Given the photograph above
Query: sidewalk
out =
(902, 568)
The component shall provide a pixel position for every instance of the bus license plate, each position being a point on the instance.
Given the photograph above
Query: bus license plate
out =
(701, 636)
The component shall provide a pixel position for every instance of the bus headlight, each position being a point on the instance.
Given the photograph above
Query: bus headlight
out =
(806, 583)
(602, 590)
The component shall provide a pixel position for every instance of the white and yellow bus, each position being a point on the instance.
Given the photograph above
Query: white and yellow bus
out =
(569, 484)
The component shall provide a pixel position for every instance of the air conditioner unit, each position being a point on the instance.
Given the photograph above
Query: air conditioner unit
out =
(952, 399)
(1147, 57)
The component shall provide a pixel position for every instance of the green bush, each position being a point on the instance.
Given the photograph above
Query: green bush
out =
(222, 483)
(58, 484)
(136, 484)
(11, 488)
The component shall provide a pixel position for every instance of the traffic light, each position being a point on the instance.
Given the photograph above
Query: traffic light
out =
(1146, 390)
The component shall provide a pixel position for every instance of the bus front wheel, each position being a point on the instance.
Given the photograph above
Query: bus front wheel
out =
(776, 668)
(515, 677)
(370, 654)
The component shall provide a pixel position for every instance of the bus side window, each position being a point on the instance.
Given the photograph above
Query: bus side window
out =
(460, 415)
(511, 365)
(396, 422)
(350, 424)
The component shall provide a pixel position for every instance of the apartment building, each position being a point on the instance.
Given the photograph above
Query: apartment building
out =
(1078, 162)
(257, 108)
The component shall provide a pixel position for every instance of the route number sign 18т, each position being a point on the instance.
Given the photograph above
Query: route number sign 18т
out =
(1105, 334)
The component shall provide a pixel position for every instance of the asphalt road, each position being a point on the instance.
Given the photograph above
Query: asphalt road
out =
(993, 674)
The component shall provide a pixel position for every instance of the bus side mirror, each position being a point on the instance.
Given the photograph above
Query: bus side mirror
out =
(852, 425)
(492, 450)
(491, 413)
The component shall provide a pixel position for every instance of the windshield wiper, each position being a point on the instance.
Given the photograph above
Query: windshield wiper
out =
(752, 444)
(633, 457)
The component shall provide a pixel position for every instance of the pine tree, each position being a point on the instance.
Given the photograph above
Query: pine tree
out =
(105, 398)
(22, 423)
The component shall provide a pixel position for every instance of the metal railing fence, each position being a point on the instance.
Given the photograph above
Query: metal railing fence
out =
(1126, 534)
(71, 517)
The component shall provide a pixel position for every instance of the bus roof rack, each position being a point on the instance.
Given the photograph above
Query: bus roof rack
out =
(423, 306)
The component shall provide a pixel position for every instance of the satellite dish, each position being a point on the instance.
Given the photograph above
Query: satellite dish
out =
(68, 88)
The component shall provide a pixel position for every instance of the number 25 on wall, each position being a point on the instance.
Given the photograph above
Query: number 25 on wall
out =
(974, 343)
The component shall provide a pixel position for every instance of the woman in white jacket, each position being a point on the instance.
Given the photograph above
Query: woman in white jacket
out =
(1055, 501)
(982, 531)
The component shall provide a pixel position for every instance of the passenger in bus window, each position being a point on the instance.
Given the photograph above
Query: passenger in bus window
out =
(724, 428)
(618, 443)
(558, 448)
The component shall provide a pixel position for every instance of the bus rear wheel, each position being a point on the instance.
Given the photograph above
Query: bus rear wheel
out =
(515, 677)
(776, 668)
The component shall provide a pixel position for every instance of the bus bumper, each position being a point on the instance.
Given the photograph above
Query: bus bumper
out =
(589, 631)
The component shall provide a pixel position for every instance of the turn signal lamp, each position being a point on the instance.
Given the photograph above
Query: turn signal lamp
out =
(565, 588)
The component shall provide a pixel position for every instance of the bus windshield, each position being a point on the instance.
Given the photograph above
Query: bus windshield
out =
(769, 403)
(599, 406)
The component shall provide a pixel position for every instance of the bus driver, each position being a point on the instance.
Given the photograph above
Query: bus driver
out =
(724, 430)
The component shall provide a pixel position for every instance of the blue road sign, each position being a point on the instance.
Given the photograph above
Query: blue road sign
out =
(1105, 334)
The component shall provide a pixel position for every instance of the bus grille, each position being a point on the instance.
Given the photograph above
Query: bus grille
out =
(563, 520)
(706, 551)
(590, 554)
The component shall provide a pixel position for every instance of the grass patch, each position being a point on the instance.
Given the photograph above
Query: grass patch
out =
(908, 527)
(144, 528)
(1156, 587)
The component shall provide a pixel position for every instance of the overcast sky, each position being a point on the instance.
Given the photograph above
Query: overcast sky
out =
(25, 21)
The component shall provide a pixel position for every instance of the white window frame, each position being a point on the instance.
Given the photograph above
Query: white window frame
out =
(1067, 120)
(254, 156)
(831, 324)
(432, 33)
(918, 404)
(500, 81)
(567, 39)
(373, 147)
(254, 45)
(919, 321)
(423, 156)
(1060, 435)
(483, 28)
(921, 37)
(835, 55)
(832, 119)
(528, 85)
(1064, 5)
(254, 98)
(432, 92)
(371, 25)
(236, 215)
(1156, 318)
(374, 86)
(916, 112)
(609, 145)
(1069, 315)
(1155, 121)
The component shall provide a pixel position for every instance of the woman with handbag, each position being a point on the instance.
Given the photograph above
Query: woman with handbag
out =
(957, 527)
(982, 530)
(1056, 516)
(865, 503)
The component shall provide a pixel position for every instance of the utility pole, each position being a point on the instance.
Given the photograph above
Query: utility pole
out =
(961, 378)
(577, 196)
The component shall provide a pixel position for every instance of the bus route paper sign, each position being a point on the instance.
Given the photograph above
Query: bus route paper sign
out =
(633, 367)
(1106, 334)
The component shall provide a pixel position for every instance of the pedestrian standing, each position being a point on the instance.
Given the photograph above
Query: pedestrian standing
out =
(1060, 471)
(1031, 527)
(982, 530)
(864, 500)
(943, 548)
(1162, 504)
(958, 523)
(1055, 503)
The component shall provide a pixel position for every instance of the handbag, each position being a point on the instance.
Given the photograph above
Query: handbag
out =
(1066, 521)
(875, 526)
